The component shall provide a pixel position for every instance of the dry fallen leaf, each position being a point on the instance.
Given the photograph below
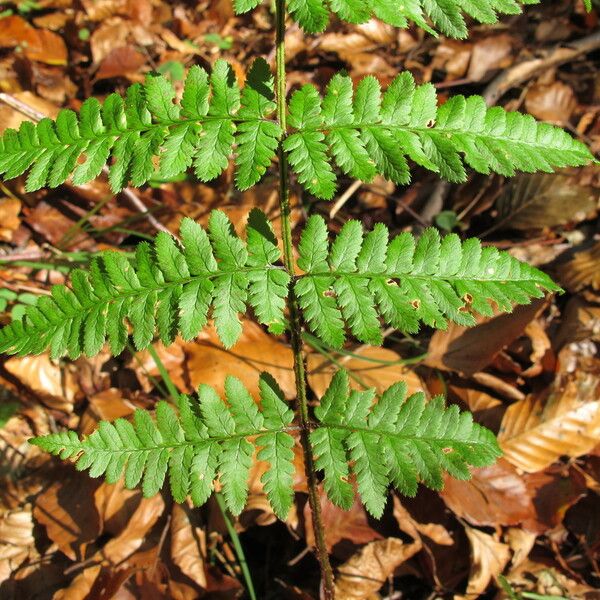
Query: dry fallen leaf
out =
(67, 511)
(489, 54)
(554, 102)
(188, 544)
(9, 218)
(375, 367)
(471, 350)
(368, 570)
(56, 387)
(256, 351)
(582, 271)
(36, 44)
(352, 525)
(81, 586)
(488, 559)
(565, 421)
(494, 496)
(543, 200)
(123, 61)
(145, 515)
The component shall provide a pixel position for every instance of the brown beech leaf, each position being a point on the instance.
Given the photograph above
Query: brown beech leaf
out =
(580, 321)
(554, 102)
(124, 61)
(470, 350)
(188, 544)
(256, 351)
(582, 271)
(494, 496)
(535, 201)
(9, 218)
(375, 367)
(352, 525)
(553, 491)
(368, 570)
(56, 387)
(490, 54)
(434, 531)
(36, 44)
(16, 540)
(564, 421)
(81, 586)
(67, 511)
(488, 559)
(143, 518)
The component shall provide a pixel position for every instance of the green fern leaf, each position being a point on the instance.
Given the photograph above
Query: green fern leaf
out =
(393, 440)
(446, 15)
(417, 440)
(167, 289)
(200, 130)
(193, 446)
(366, 133)
(364, 280)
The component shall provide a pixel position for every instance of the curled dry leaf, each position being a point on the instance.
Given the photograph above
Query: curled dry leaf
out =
(56, 387)
(470, 350)
(564, 421)
(36, 44)
(554, 102)
(9, 218)
(582, 271)
(370, 365)
(67, 511)
(188, 545)
(16, 540)
(488, 559)
(368, 570)
(145, 515)
(543, 200)
(434, 531)
(494, 496)
(81, 586)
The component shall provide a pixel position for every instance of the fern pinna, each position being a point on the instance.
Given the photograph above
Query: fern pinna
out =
(350, 284)
(394, 440)
(355, 285)
(364, 132)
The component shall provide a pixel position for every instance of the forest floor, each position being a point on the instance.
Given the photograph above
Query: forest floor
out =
(534, 518)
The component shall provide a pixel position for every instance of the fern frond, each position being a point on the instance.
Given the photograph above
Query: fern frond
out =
(392, 440)
(169, 287)
(368, 133)
(191, 447)
(364, 279)
(446, 15)
(199, 130)
(398, 440)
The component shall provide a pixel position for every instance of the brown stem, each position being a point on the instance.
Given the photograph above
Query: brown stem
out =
(294, 314)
